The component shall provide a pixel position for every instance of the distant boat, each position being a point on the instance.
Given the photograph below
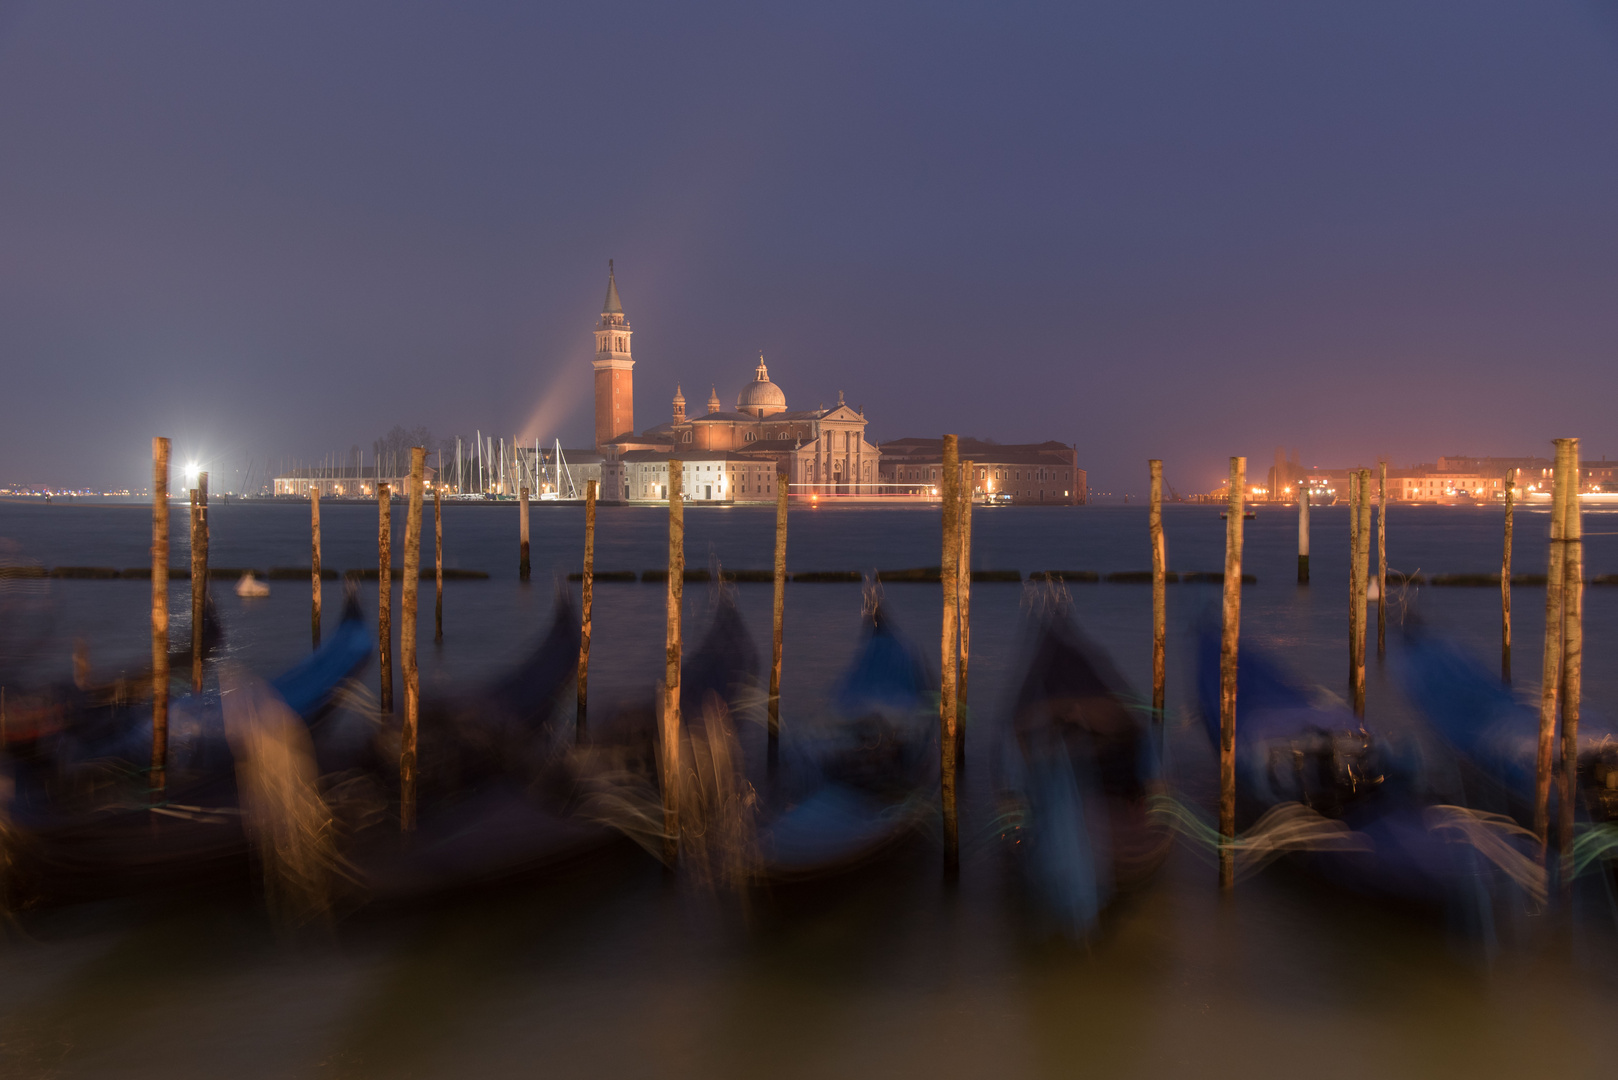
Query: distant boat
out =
(251, 586)
(1247, 515)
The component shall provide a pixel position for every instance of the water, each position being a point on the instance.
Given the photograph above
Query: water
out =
(888, 974)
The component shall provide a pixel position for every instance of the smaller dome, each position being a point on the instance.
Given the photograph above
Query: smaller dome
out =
(761, 397)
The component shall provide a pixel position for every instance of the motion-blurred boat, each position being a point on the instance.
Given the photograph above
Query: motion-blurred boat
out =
(81, 821)
(1292, 750)
(869, 780)
(1495, 735)
(1082, 769)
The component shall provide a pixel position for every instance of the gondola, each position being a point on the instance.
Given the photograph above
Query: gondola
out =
(499, 794)
(869, 780)
(1081, 769)
(1495, 735)
(80, 820)
(1402, 845)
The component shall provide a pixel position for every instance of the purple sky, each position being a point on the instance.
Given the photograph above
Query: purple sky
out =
(1173, 230)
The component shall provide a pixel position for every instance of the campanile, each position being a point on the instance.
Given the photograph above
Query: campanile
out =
(615, 369)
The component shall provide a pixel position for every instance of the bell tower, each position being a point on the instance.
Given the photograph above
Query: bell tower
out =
(614, 369)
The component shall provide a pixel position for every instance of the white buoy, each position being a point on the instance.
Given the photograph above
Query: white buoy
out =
(251, 586)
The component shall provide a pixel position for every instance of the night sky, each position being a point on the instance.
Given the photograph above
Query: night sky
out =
(1150, 229)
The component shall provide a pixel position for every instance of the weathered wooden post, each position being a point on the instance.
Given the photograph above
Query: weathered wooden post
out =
(1382, 561)
(1572, 659)
(950, 481)
(1355, 613)
(1160, 598)
(1362, 567)
(314, 566)
(1229, 637)
(384, 592)
(588, 581)
(407, 643)
(199, 582)
(1551, 670)
(522, 533)
(778, 620)
(670, 727)
(963, 597)
(160, 614)
(438, 559)
(1505, 581)
(1303, 532)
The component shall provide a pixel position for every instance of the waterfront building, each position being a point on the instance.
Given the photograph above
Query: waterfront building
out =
(344, 481)
(1037, 474)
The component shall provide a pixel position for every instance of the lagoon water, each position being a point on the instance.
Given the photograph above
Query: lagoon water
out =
(890, 973)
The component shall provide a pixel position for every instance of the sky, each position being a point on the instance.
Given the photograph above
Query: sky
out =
(1175, 230)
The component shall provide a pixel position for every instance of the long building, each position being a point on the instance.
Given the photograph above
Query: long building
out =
(1035, 474)
(344, 481)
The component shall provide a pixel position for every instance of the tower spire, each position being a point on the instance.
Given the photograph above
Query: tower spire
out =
(612, 306)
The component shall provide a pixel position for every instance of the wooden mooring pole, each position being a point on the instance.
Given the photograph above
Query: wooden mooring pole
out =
(1572, 660)
(1160, 597)
(314, 566)
(522, 534)
(1505, 581)
(1382, 561)
(199, 576)
(1303, 532)
(1229, 637)
(384, 593)
(1362, 569)
(949, 656)
(160, 615)
(438, 561)
(777, 621)
(1551, 668)
(407, 643)
(963, 604)
(587, 580)
(670, 726)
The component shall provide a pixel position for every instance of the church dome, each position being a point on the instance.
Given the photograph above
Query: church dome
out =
(761, 397)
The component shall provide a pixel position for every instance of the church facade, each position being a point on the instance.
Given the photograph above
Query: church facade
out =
(728, 455)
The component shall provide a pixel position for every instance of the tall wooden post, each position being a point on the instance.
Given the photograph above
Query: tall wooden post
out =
(314, 566)
(950, 481)
(384, 592)
(438, 560)
(1505, 581)
(1160, 598)
(1382, 561)
(1303, 532)
(160, 614)
(199, 586)
(588, 581)
(1572, 657)
(1551, 670)
(1230, 636)
(670, 726)
(1353, 576)
(407, 643)
(1362, 577)
(963, 597)
(522, 535)
(777, 620)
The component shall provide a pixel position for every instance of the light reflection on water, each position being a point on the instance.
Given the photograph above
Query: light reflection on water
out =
(619, 972)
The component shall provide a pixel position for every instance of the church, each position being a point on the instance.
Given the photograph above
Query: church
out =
(728, 455)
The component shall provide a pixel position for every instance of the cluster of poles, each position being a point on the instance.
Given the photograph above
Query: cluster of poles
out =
(1563, 660)
(1561, 671)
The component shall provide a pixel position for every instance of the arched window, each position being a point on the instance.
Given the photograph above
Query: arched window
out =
(688, 436)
